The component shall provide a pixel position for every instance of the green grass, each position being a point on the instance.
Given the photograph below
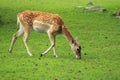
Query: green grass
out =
(98, 34)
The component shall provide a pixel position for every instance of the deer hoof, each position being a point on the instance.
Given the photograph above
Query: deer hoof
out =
(55, 56)
(41, 55)
(10, 51)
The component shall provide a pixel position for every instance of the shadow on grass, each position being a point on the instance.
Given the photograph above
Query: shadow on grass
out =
(8, 16)
(1, 22)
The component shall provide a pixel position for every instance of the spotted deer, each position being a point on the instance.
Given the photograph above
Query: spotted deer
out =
(52, 24)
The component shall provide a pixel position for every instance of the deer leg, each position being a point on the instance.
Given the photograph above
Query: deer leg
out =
(15, 36)
(54, 50)
(52, 40)
(25, 39)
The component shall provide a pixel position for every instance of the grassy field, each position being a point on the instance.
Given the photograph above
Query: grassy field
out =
(97, 32)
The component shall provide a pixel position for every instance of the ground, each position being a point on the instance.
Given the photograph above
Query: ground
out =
(97, 32)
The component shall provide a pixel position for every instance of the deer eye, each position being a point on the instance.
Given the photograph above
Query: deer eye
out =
(78, 50)
(79, 47)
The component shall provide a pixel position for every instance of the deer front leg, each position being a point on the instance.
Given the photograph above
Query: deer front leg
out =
(52, 40)
(54, 50)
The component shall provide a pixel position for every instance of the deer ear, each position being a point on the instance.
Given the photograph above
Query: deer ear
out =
(74, 40)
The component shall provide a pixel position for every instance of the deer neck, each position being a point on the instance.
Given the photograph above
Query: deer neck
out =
(67, 34)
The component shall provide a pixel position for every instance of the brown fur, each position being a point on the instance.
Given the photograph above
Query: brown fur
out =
(30, 16)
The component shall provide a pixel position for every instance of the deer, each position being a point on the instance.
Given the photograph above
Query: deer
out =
(44, 22)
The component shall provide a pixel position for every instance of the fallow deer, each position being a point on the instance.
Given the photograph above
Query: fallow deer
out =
(52, 24)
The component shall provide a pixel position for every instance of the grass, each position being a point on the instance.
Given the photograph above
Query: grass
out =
(98, 34)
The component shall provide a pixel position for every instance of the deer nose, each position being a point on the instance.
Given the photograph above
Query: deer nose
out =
(78, 57)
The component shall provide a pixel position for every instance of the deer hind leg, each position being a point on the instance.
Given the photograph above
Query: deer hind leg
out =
(14, 38)
(52, 40)
(25, 39)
